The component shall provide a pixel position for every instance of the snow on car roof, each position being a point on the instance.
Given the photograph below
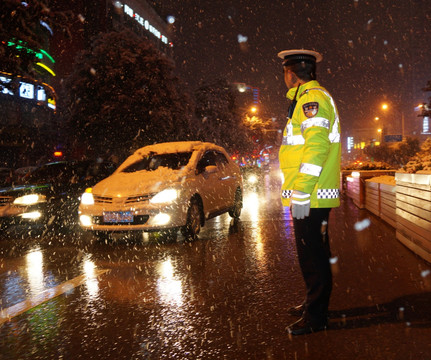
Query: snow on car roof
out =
(167, 148)
(172, 147)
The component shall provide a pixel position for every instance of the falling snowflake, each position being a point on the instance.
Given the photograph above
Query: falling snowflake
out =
(242, 38)
(425, 273)
(362, 225)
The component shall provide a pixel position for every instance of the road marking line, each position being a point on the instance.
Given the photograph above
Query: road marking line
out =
(17, 309)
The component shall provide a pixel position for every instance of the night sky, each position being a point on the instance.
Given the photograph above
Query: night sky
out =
(373, 51)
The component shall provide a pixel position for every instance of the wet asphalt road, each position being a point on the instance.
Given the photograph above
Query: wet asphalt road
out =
(67, 296)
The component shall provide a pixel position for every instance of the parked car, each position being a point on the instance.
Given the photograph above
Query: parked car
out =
(164, 187)
(50, 193)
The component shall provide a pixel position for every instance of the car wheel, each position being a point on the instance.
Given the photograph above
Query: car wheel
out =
(193, 225)
(235, 211)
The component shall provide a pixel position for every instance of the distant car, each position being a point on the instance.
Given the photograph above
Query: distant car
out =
(6, 175)
(22, 172)
(253, 177)
(164, 187)
(50, 193)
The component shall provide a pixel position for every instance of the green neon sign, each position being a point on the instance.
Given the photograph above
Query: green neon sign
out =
(21, 46)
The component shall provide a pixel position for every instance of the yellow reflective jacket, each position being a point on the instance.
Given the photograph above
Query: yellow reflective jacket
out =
(311, 151)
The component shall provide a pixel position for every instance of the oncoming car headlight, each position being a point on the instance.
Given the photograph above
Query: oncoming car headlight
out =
(30, 199)
(87, 197)
(164, 196)
(252, 179)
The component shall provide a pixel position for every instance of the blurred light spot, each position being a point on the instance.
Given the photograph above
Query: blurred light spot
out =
(251, 206)
(333, 260)
(169, 288)
(91, 281)
(425, 273)
(34, 268)
(170, 19)
(242, 38)
(362, 225)
(401, 313)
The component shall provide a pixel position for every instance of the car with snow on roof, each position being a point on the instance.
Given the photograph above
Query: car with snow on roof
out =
(164, 187)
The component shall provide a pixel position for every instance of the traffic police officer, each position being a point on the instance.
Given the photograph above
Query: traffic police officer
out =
(310, 161)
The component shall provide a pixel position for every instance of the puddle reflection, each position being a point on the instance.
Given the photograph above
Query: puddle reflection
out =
(34, 270)
(91, 281)
(169, 288)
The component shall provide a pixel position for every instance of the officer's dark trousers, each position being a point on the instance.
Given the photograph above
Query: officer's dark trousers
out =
(312, 243)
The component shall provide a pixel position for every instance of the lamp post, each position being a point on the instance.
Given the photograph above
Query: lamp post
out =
(386, 107)
(384, 125)
(380, 131)
(253, 109)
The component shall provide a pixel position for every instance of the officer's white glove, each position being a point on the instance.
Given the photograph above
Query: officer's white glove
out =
(300, 204)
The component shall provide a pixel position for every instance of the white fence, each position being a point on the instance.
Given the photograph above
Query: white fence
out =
(405, 205)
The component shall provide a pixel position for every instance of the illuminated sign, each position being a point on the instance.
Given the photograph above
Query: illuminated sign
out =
(40, 55)
(144, 23)
(5, 80)
(26, 90)
(40, 92)
(22, 46)
(51, 103)
(350, 143)
(46, 68)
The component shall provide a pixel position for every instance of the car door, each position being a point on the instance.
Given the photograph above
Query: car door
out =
(227, 181)
(208, 184)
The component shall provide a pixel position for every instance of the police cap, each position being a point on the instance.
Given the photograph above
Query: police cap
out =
(291, 57)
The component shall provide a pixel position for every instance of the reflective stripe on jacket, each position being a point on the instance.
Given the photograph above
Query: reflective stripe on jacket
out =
(311, 151)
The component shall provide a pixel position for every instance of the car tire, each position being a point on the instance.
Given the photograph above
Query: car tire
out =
(193, 225)
(235, 211)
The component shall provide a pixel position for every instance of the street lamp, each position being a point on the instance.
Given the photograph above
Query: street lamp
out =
(385, 107)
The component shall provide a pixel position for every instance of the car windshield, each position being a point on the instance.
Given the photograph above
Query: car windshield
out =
(174, 161)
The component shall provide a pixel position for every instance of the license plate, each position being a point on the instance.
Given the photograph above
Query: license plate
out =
(118, 217)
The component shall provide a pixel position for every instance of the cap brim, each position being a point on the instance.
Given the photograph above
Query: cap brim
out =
(315, 54)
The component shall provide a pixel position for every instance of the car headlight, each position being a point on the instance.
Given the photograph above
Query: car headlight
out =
(252, 179)
(30, 199)
(87, 197)
(164, 196)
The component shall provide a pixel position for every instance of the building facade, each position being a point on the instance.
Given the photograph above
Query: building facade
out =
(29, 123)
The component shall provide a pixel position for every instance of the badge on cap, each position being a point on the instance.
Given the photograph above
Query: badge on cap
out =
(310, 109)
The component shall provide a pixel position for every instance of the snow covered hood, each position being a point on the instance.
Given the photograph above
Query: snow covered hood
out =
(138, 183)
